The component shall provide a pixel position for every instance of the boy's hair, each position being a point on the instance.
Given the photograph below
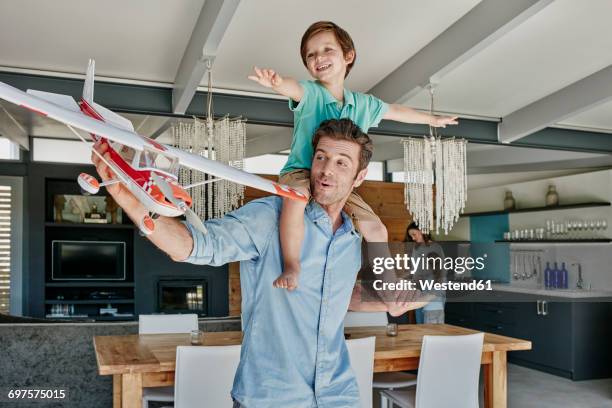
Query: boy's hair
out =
(343, 38)
(346, 129)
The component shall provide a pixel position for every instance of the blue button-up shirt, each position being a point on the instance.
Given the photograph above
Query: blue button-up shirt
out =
(293, 350)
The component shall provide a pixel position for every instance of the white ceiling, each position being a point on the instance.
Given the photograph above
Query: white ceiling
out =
(145, 40)
(563, 43)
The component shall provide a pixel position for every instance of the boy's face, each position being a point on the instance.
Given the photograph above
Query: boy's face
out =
(335, 170)
(325, 60)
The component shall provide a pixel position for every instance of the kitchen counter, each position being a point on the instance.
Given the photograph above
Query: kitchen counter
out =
(563, 293)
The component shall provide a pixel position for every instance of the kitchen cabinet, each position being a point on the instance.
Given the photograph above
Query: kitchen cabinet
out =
(569, 339)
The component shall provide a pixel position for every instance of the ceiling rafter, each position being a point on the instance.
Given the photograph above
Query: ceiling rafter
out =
(201, 50)
(477, 29)
(578, 97)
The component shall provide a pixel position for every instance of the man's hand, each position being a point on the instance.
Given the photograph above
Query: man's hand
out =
(442, 121)
(266, 77)
(120, 193)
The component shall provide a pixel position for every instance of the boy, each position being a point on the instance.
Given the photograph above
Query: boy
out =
(328, 53)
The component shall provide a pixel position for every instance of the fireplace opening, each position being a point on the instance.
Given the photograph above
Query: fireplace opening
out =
(183, 296)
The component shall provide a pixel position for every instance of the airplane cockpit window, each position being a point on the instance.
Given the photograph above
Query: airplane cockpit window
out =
(150, 159)
(126, 152)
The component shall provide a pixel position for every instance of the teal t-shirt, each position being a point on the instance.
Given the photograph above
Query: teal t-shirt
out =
(318, 104)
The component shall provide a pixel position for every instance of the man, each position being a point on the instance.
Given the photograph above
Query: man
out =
(293, 351)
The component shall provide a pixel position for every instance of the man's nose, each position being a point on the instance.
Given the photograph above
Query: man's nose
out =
(328, 168)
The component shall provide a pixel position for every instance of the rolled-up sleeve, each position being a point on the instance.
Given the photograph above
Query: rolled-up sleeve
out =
(310, 90)
(240, 235)
(376, 110)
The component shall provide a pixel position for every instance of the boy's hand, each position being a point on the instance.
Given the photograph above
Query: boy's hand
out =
(266, 77)
(442, 121)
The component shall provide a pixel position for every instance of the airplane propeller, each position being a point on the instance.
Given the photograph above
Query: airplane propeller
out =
(166, 190)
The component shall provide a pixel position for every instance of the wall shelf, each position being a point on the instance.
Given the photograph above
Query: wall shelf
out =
(77, 225)
(556, 241)
(536, 209)
(89, 302)
(89, 284)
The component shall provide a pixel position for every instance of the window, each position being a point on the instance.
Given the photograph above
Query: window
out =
(10, 249)
(61, 151)
(273, 163)
(150, 159)
(9, 150)
(375, 171)
(5, 248)
(265, 164)
(397, 177)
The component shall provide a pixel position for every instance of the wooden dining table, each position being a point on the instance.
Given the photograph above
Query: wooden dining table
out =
(148, 360)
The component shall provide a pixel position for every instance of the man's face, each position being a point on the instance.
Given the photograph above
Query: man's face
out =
(334, 171)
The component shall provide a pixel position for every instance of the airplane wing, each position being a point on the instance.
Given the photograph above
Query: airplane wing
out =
(226, 172)
(72, 118)
(125, 137)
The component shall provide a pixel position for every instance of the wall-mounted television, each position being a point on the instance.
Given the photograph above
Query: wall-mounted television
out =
(88, 260)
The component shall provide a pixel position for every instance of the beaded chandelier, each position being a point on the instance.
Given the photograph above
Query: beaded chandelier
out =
(222, 140)
(432, 160)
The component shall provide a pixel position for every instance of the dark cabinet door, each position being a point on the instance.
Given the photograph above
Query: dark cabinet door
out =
(550, 333)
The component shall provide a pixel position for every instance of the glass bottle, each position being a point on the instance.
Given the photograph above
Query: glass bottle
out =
(509, 203)
(552, 198)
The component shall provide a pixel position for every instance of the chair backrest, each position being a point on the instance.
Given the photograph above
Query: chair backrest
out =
(449, 370)
(359, 319)
(361, 353)
(204, 376)
(165, 324)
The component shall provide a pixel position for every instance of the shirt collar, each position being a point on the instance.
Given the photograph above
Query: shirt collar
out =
(349, 98)
(317, 214)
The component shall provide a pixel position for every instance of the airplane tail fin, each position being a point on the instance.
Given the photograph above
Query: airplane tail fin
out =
(88, 88)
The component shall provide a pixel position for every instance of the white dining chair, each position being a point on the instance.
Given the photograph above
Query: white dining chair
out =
(382, 381)
(167, 323)
(164, 324)
(361, 354)
(449, 370)
(204, 376)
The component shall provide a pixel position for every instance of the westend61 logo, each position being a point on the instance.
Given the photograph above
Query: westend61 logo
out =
(404, 262)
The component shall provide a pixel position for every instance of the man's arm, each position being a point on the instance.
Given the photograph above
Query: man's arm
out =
(269, 78)
(170, 235)
(409, 301)
(401, 113)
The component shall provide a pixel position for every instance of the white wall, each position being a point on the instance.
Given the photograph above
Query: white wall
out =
(596, 259)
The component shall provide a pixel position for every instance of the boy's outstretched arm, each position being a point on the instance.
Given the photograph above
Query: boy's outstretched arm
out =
(401, 113)
(269, 78)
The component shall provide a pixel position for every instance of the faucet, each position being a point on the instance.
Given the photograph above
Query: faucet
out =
(580, 282)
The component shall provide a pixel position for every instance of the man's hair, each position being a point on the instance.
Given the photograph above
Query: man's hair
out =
(343, 38)
(346, 129)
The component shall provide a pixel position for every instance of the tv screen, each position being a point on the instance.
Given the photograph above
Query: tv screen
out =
(88, 260)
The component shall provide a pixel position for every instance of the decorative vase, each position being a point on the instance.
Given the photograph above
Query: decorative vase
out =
(509, 203)
(552, 198)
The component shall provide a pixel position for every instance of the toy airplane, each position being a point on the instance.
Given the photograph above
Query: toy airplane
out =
(147, 168)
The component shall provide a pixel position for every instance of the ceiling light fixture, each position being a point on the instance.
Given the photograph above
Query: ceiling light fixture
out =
(432, 161)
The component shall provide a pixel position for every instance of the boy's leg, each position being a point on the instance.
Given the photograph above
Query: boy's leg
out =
(365, 220)
(292, 229)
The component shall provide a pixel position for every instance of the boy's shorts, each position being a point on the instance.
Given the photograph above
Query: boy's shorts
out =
(355, 207)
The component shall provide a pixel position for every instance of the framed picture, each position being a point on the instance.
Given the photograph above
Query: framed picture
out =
(86, 209)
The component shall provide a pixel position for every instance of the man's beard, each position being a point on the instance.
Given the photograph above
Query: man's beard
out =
(331, 196)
